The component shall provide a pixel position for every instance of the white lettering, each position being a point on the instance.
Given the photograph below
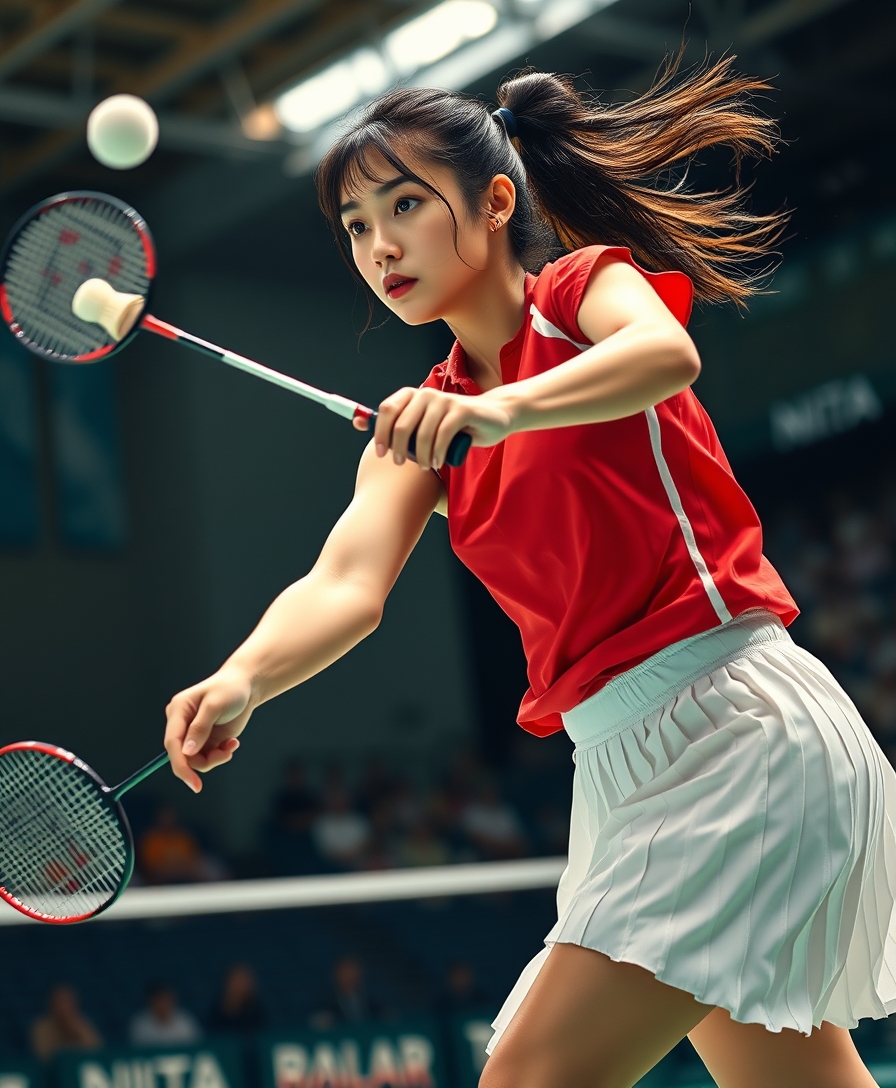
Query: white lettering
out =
(383, 1070)
(829, 409)
(416, 1057)
(92, 1075)
(290, 1066)
(172, 1068)
(478, 1033)
(207, 1073)
(352, 1077)
(325, 1071)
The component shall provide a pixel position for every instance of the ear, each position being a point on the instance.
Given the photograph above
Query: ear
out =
(500, 197)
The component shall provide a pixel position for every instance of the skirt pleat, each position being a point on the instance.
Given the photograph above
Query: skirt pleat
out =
(738, 842)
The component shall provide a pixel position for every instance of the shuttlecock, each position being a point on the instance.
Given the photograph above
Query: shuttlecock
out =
(98, 302)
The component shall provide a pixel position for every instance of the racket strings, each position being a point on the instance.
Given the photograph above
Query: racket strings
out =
(63, 851)
(54, 254)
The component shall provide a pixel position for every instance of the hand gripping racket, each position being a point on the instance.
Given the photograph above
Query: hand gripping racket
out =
(76, 275)
(66, 848)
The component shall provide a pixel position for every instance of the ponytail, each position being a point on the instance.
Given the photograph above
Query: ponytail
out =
(595, 172)
(585, 174)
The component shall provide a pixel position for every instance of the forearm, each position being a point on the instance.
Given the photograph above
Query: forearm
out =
(309, 626)
(633, 369)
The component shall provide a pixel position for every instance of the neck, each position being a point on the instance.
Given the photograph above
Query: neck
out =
(487, 318)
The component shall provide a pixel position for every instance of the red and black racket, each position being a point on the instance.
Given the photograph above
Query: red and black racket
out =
(76, 275)
(66, 848)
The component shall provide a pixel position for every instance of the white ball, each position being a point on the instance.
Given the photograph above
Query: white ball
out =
(122, 131)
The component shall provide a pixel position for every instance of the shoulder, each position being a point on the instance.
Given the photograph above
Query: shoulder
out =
(561, 285)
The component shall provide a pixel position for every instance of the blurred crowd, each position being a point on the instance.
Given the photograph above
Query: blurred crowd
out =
(838, 558)
(327, 822)
(238, 1009)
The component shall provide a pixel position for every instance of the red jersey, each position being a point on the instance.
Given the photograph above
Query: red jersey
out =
(604, 542)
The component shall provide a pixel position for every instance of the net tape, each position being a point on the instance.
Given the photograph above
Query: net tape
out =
(55, 253)
(63, 851)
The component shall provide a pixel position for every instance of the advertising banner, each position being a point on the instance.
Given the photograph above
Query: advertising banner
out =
(406, 1054)
(215, 1065)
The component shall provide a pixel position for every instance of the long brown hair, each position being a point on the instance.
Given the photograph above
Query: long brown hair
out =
(589, 173)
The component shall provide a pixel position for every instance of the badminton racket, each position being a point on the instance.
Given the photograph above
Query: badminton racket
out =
(76, 275)
(66, 848)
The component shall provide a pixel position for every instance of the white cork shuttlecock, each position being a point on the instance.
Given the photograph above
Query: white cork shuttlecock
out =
(98, 302)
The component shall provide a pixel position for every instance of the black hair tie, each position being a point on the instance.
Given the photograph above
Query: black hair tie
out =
(507, 119)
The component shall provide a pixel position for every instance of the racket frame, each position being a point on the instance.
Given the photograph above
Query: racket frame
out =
(74, 196)
(108, 798)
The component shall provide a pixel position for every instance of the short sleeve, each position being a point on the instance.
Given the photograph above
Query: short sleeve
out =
(561, 286)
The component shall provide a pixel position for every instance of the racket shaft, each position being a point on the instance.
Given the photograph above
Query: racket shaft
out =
(138, 776)
(342, 406)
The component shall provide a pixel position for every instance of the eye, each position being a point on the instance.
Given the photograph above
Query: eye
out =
(406, 203)
(355, 228)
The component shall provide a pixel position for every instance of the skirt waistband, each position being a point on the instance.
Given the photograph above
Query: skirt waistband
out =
(634, 694)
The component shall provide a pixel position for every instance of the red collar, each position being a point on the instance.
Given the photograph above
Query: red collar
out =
(457, 371)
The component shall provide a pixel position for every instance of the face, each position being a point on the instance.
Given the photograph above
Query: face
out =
(403, 241)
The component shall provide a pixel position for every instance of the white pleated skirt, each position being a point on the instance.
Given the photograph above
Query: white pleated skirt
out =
(732, 832)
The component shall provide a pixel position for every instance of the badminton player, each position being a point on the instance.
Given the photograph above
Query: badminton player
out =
(732, 863)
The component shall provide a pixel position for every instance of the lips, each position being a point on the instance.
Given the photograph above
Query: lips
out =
(396, 285)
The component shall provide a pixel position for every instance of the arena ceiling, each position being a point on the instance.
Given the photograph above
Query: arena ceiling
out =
(207, 65)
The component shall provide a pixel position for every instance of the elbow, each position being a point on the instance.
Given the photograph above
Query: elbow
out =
(685, 360)
(372, 617)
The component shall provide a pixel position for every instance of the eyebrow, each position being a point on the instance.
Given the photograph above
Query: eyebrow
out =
(386, 187)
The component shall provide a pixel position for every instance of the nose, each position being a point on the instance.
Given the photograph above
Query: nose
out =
(384, 247)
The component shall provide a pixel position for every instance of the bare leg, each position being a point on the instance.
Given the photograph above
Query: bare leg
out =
(589, 1022)
(747, 1055)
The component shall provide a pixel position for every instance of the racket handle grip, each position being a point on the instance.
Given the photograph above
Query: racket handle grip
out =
(458, 447)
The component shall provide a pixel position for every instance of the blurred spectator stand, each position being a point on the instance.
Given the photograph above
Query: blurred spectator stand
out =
(238, 1007)
(340, 833)
(348, 1001)
(168, 853)
(162, 1022)
(63, 1026)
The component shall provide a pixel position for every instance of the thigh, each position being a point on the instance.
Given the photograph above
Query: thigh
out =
(744, 1055)
(588, 1022)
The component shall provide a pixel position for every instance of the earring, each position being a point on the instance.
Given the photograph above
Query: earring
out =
(495, 224)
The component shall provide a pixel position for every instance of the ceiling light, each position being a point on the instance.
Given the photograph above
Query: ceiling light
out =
(333, 91)
(438, 32)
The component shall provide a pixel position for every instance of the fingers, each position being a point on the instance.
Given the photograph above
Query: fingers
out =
(180, 713)
(191, 717)
(384, 436)
(423, 414)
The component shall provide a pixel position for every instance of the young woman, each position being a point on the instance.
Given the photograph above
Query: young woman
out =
(732, 865)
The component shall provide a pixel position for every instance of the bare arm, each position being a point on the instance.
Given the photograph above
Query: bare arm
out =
(312, 622)
(640, 355)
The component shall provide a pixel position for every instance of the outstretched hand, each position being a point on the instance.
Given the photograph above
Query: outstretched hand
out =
(204, 722)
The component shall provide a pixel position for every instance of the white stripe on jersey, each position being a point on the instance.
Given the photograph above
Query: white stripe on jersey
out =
(687, 530)
(545, 328)
(541, 325)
